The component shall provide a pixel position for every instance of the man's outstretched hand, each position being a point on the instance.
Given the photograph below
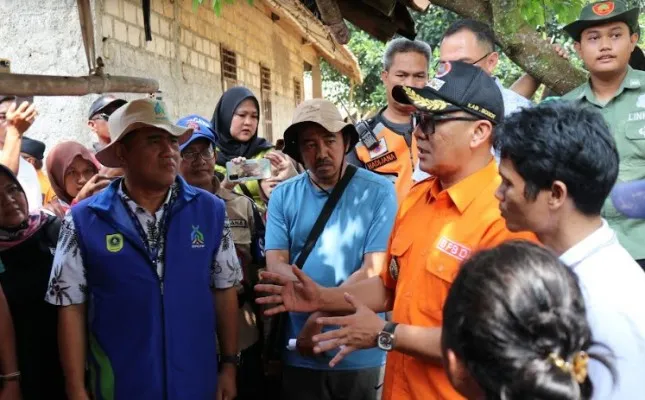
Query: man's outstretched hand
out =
(286, 294)
(357, 331)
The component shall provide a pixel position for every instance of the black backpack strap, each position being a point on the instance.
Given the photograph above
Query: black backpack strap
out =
(328, 208)
(245, 190)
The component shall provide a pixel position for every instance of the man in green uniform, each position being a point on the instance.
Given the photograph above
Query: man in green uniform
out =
(605, 36)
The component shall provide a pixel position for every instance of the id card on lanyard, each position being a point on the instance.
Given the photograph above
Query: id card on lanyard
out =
(153, 251)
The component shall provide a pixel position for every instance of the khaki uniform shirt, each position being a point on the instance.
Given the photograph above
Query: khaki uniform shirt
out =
(240, 215)
(625, 115)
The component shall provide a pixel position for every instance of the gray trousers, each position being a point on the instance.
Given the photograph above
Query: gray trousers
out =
(311, 384)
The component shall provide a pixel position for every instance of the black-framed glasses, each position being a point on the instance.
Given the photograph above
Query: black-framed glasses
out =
(207, 154)
(428, 122)
(481, 59)
(436, 64)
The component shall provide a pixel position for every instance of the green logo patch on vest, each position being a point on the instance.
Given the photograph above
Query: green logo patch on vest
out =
(114, 243)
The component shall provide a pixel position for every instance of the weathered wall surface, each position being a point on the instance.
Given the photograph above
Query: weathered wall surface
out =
(184, 55)
(44, 37)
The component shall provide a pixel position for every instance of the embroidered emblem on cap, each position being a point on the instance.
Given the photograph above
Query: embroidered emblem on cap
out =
(193, 125)
(394, 268)
(436, 84)
(159, 110)
(422, 102)
(443, 69)
(603, 9)
(481, 110)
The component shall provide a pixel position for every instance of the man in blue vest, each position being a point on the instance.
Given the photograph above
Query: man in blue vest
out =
(135, 269)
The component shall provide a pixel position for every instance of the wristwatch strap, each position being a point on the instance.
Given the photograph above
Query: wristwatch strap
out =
(235, 359)
(390, 327)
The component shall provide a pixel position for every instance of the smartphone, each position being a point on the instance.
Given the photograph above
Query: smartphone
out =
(249, 170)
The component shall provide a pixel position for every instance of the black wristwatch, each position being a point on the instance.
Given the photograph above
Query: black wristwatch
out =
(234, 359)
(385, 339)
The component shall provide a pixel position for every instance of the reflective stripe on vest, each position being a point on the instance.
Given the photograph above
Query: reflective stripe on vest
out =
(392, 157)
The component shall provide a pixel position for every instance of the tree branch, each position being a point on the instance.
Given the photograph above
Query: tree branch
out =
(526, 47)
(519, 41)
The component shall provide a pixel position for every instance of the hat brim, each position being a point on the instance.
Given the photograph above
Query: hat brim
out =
(575, 29)
(107, 155)
(117, 102)
(197, 136)
(425, 99)
(291, 135)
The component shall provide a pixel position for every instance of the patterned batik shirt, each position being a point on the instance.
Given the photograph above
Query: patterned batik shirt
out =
(68, 280)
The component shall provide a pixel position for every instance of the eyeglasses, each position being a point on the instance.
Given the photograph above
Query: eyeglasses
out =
(207, 154)
(485, 55)
(427, 122)
(436, 64)
(102, 116)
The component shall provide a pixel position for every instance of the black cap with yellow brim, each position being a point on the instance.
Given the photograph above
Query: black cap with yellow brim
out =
(601, 13)
(457, 86)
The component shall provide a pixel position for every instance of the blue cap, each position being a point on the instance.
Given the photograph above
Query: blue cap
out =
(201, 129)
(629, 198)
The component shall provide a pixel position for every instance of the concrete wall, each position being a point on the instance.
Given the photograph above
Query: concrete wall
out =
(184, 55)
(44, 37)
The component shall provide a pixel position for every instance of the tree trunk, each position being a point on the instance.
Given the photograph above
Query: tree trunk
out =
(520, 42)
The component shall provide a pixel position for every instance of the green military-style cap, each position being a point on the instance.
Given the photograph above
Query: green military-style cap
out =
(600, 13)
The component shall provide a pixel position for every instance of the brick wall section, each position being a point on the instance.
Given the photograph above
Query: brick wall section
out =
(184, 55)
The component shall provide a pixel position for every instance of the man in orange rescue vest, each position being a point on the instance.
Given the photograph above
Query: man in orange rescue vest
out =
(387, 145)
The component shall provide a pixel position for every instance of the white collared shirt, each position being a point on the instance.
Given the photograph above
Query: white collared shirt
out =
(613, 285)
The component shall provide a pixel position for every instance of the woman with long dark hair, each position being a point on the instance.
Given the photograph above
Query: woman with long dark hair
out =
(27, 241)
(515, 327)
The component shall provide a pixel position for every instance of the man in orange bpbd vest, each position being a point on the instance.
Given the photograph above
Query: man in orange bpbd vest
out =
(440, 223)
(387, 146)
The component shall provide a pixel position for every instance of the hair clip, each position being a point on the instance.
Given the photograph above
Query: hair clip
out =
(578, 368)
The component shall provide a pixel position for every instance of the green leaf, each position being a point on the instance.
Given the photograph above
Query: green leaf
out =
(217, 7)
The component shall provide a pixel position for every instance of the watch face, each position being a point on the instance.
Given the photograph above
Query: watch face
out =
(385, 341)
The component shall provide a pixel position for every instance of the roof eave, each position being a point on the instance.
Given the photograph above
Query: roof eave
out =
(340, 57)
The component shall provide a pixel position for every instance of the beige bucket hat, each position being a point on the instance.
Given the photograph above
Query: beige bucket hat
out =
(321, 112)
(137, 114)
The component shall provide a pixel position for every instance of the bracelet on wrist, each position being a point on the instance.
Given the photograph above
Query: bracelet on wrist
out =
(13, 376)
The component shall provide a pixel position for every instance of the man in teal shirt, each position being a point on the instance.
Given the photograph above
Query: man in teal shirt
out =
(605, 36)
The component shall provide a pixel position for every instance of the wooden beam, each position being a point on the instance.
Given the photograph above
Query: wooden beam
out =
(48, 85)
(385, 7)
(417, 5)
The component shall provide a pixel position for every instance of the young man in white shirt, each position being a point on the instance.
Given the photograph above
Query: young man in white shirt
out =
(15, 119)
(559, 163)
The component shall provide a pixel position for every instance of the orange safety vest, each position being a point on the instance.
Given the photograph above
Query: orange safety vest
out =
(391, 157)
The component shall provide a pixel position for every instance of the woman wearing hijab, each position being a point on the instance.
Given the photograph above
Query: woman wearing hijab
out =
(73, 173)
(236, 120)
(26, 256)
